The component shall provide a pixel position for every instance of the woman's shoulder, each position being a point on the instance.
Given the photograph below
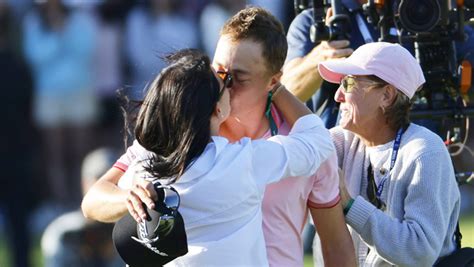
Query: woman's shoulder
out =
(422, 137)
(420, 140)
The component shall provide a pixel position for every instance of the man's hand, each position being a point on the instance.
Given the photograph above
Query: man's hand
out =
(301, 75)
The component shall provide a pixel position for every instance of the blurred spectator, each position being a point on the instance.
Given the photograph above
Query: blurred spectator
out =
(73, 241)
(59, 45)
(213, 17)
(109, 67)
(194, 8)
(17, 143)
(152, 30)
(282, 9)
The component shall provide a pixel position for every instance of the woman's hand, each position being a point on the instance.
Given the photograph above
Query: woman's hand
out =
(345, 197)
(142, 192)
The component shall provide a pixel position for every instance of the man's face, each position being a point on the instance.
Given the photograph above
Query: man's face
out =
(244, 60)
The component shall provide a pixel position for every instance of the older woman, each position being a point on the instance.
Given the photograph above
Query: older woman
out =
(400, 196)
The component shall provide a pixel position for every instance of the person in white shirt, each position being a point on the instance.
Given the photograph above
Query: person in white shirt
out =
(221, 183)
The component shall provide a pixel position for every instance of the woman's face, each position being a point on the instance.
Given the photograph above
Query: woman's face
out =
(223, 105)
(360, 103)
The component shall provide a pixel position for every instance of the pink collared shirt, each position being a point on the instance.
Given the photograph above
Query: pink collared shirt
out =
(286, 203)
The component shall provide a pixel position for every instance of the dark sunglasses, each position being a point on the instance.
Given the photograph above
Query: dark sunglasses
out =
(226, 77)
(171, 202)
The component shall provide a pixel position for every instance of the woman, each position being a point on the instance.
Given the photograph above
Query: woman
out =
(402, 200)
(221, 184)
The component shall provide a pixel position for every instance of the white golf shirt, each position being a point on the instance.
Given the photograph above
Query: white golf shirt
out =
(221, 193)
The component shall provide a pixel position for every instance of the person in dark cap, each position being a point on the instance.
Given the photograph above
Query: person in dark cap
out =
(221, 184)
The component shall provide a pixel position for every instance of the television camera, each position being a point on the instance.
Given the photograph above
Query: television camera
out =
(430, 28)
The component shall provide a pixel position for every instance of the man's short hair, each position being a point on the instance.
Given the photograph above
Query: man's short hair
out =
(261, 26)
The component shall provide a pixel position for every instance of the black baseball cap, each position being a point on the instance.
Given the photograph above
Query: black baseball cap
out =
(158, 240)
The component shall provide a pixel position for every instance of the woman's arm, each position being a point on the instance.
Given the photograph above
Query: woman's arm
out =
(289, 106)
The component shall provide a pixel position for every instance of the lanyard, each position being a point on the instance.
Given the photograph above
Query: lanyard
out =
(268, 114)
(393, 158)
(363, 29)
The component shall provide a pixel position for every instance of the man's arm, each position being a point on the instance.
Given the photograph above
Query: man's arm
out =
(301, 76)
(336, 242)
(105, 201)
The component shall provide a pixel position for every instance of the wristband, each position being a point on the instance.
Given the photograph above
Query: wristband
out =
(348, 206)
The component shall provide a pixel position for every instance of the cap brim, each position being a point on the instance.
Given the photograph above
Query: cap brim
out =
(334, 70)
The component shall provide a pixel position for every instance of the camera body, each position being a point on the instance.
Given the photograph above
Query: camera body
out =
(422, 15)
(431, 28)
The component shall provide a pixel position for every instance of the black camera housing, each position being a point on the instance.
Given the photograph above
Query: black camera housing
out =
(419, 16)
(431, 28)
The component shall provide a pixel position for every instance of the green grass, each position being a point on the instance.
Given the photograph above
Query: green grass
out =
(466, 224)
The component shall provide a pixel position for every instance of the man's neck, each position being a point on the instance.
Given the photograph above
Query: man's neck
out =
(252, 126)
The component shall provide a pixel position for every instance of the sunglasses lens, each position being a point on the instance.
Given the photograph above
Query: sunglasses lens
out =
(348, 84)
(221, 75)
(165, 225)
(228, 82)
(171, 199)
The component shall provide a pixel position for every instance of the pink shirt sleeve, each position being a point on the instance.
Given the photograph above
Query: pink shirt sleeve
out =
(135, 151)
(325, 193)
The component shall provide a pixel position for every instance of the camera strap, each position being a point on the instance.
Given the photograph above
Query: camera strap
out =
(363, 28)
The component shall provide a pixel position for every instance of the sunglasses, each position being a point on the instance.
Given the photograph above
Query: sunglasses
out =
(167, 205)
(349, 83)
(226, 77)
(372, 190)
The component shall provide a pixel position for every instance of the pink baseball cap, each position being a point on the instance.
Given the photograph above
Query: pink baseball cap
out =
(390, 62)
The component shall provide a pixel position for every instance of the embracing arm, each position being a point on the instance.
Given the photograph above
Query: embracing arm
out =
(289, 106)
(336, 242)
(106, 202)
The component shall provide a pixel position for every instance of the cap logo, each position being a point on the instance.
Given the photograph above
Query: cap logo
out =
(145, 241)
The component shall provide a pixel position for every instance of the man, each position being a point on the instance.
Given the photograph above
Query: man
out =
(252, 47)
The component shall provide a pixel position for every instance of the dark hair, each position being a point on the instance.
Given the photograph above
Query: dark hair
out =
(261, 26)
(175, 116)
(397, 115)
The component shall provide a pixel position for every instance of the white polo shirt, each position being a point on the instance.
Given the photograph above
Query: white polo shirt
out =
(222, 192)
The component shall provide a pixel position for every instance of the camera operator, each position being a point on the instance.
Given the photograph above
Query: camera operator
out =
(300, 73)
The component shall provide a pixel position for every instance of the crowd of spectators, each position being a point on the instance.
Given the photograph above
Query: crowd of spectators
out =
(64, 64)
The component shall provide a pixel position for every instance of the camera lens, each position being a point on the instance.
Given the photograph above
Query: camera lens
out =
(419, 15)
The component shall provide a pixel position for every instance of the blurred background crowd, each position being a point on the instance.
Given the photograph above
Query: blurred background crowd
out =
(62, 64)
